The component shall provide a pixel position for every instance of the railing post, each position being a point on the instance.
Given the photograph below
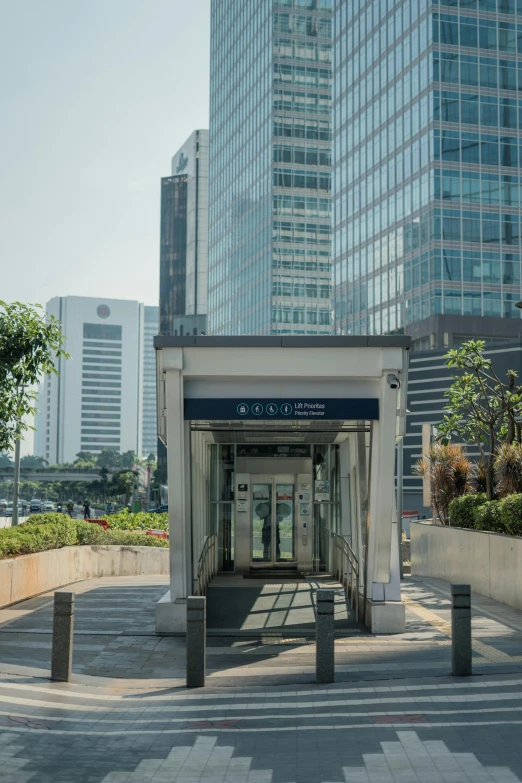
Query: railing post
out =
(357, 595)
(461, 652)
(324, 637)
(196, 641)
(63, 630)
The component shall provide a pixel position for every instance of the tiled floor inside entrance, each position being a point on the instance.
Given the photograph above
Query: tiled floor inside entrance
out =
(268, 605)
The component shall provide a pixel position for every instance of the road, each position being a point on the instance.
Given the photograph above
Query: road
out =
(78, 514)
(7, 521)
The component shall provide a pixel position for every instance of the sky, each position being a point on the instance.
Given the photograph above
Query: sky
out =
(96, 98)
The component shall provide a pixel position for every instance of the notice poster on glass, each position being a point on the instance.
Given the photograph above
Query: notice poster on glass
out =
(322, 490)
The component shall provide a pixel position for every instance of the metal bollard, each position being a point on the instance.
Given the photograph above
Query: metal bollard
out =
(63, 630)
(324, 637)
(196, 641)
(461, 630)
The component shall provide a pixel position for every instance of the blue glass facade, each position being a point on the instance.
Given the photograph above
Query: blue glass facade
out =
(426, 185)
(270, 167)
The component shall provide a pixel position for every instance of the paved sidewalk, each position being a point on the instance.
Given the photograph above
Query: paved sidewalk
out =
(394, 713)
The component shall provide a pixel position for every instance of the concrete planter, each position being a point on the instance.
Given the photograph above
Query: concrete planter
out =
(28, 575)
(490, 562)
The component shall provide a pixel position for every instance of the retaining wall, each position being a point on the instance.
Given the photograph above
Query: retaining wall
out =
(490, 562)
(28, 575)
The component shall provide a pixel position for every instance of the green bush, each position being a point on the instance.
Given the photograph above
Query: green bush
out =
(488, 517)
(511, 514)
(89, 534)
(140, 521)
(53, 531)
(462, 509)
(41, 519)
(26, 539)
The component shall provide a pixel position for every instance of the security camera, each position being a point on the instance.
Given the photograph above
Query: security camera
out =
(393, 382)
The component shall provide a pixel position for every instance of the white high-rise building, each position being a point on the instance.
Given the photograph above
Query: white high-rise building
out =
(102, 395)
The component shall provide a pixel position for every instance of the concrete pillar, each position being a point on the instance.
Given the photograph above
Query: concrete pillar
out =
(178, 470)
(461, 630)
(171, 611)
(196, 641)
(382, 487)
(63, 629)
(324, 636)
(384, 611)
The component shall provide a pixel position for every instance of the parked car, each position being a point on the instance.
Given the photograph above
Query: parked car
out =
(48, 505)
(35, 506)
(160, 510)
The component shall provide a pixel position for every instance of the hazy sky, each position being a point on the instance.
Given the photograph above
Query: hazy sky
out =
(95, 98)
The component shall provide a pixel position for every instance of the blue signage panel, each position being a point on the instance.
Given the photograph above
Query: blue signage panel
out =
(339, 409)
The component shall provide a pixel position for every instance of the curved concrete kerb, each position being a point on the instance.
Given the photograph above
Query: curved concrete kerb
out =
(29, 575)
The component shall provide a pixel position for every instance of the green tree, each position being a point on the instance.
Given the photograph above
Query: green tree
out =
(128, 460)
(104, 480)
(31, 489)
(123, 483)
(29, 346)
(5, 461)
(108, 458)
(33, 462)
(85, 459)
(482, 409)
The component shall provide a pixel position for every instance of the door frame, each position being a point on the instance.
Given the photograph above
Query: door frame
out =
(274, 479)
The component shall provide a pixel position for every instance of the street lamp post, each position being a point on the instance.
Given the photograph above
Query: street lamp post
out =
(16, 482)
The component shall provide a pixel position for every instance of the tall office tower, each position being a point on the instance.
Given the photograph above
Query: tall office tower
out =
(426, 179)
(104, 392)
(184, 240)
(149, 436)
(270, 167)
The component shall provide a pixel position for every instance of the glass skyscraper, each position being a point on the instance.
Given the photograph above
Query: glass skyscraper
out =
(184, 240)
(426, 184)
(270, 167)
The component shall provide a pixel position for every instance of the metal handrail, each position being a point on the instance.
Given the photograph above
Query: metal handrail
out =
(345, 567)
(207, 563)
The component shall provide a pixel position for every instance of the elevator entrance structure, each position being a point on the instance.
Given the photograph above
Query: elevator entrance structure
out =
(278, 448)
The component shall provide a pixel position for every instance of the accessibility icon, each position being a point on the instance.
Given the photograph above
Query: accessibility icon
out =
(243, 409)
(286, 409)
(257, 409)
(271, 409)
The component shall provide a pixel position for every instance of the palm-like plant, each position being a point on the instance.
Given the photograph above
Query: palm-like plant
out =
(508, 469)
(450, 473)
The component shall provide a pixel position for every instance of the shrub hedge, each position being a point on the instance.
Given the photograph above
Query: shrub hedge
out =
(140, 521)
(42, 532)
(488, 517)
(511, 514)
(499, 516)
(462, 509)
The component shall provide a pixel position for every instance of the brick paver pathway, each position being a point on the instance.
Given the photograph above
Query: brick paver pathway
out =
(394, 714)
